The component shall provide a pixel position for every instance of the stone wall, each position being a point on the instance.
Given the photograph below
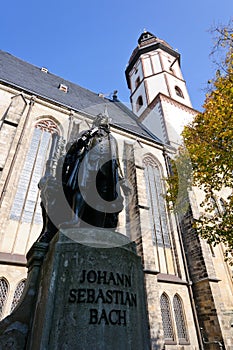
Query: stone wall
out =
(212, 309)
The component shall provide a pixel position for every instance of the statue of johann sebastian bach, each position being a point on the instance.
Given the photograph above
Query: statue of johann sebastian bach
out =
(91, 174)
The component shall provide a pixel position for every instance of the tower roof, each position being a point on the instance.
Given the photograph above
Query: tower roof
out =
(147, 38)
(148, 42)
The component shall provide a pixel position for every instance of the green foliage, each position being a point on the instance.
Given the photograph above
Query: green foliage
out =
(216, 225)
(209, 144)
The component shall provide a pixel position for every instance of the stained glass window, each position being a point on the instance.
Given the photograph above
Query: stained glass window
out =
(180, 319)
(26, 205)
(47, 125)
(18, 293)
(158, 212)
(4, 288)
(166, 317)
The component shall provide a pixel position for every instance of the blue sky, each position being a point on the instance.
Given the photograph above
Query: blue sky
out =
(90, 42)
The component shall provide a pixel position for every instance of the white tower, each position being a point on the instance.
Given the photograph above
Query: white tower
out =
(159, 94)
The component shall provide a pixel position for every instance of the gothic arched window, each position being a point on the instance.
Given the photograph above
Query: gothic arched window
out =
(26, 205)
(139, 103)
(18, 293)
(166, 318)
(158, 211)
(4, 289)
(179, 92)
(180, 319)
(47, 125)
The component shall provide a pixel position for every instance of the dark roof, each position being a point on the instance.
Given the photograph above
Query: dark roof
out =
(29, 78)
(147, 38)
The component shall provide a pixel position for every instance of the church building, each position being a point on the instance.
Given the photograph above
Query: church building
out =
(189, 286)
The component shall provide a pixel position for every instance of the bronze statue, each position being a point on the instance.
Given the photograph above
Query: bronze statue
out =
(91, 177)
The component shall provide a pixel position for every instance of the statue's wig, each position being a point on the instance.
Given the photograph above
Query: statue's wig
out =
(101, 120)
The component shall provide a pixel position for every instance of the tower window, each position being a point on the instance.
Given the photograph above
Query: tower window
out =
(170, 65)
(139, 103)
(137, 82)
(179, 92)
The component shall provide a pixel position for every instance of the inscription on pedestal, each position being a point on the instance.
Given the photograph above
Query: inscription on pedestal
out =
(117, 296)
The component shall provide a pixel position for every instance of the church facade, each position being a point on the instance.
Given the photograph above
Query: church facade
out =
(188, 284)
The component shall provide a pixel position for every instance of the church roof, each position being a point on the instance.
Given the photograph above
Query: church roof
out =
(31, 79)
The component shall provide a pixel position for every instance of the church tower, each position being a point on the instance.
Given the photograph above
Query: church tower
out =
(159, 95)
(161, 102)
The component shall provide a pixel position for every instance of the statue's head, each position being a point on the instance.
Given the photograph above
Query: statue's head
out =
(101, 120)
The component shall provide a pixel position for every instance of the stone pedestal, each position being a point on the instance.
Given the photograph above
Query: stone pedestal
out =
(15, 328)
(91, 294)
(85, 290)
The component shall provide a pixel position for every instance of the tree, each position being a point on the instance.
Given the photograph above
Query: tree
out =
(209, 146)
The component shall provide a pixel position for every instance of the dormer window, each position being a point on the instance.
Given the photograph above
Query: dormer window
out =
(63, 87)
(44, 70)
(179, 92)
(139, 103)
